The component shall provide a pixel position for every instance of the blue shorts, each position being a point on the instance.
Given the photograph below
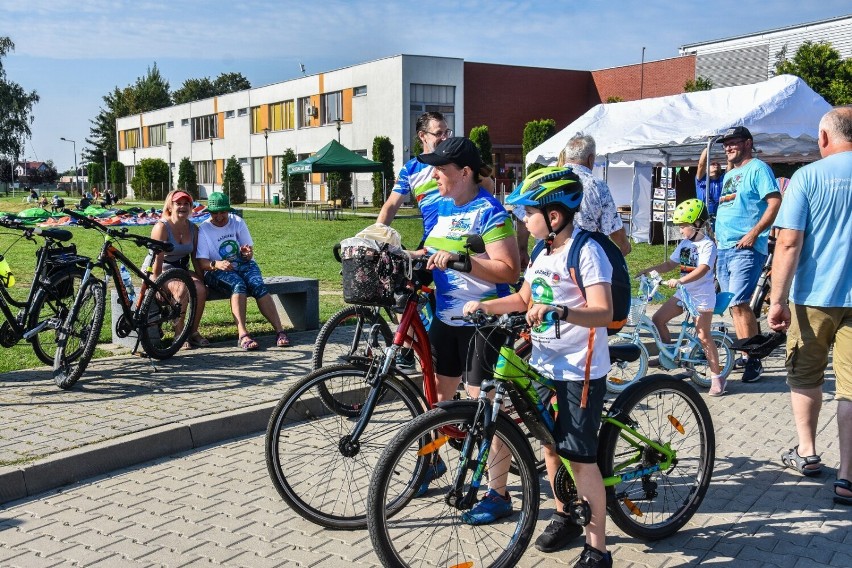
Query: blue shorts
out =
(738, 271)
(245, 278)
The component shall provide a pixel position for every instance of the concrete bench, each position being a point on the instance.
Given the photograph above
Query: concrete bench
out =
(296, 298)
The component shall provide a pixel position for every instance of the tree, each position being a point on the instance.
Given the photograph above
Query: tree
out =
(482, 140)
(614, 99)
(234, 182)
(5, 170)
(535, 133)
(117, 177)
(151, 180)
(820, 66)
(382, 152)
(230, 83)
(187, 178)
(16, 108)
(699, 84)
(294, 185)
(47, 173)
(96, 173)
(204, 88)
(340, 187)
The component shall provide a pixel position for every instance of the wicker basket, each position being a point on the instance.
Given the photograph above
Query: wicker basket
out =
(637, 310)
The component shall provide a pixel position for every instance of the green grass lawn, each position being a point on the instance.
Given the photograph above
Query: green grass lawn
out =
(285, 245)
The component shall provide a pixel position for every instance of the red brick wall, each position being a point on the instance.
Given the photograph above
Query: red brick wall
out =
(661, 78)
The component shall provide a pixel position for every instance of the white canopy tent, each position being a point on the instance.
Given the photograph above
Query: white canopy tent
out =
(782, 114)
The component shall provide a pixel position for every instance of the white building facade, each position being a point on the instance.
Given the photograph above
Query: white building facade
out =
(356, 104)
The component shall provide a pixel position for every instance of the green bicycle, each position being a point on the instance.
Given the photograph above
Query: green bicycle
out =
(656, 452)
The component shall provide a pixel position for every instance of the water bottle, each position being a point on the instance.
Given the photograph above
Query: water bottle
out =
(425, 310)
(128, 283)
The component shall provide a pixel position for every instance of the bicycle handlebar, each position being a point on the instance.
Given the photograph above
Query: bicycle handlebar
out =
(509, 322)
(61, 235)
(139, 240)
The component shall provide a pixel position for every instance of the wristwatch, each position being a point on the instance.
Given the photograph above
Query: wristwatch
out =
(563, 311)
(213, 264)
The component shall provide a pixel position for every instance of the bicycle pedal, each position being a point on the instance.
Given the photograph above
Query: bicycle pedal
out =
(580, 512)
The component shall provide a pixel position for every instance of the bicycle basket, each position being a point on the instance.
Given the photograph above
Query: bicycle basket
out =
(372, 275)
(637, 310)
(57, 259)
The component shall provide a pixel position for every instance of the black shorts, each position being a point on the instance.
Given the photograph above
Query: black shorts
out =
(457, 355)
(576, 431)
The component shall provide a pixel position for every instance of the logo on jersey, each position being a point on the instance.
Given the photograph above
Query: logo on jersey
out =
(229, 249)
(460, 224)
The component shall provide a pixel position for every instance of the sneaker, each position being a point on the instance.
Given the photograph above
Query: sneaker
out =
(492, 507)
(435, 471)
(753, 370)
(558, 534)
(404, 359)
(593, 558)
(740, 363)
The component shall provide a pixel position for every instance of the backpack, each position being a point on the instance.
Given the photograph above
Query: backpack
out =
(620, 275)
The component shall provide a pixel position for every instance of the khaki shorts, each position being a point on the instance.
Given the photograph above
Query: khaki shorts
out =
(808, 346)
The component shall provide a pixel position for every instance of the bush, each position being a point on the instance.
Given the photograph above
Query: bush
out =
(234, 183)
(382, 152)
(187, 178)
(482, 139)
(294, 185)
(535, 133)
(151, 180)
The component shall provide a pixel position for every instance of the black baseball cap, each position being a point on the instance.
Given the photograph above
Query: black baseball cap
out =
(735, 132)
(458, 150)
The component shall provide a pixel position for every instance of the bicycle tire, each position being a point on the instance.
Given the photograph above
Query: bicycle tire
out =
(346, 333)
(306, 454)
(48, 304)
(623, 374)
(427, 530)
(760, 304)
(78, 335)
(700, 373)
(166, 315)
(646, 406)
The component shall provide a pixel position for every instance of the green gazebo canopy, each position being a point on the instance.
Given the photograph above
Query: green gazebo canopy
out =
(334, 157)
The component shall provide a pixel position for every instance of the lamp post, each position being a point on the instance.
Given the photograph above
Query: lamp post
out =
(170, 164)
(106, 183)
(642, 75)
(213, 169)
(266, 164)
(76, 172)
(134, 164)
(339, 121)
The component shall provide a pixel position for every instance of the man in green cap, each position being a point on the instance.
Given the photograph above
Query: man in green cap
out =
(226, 254)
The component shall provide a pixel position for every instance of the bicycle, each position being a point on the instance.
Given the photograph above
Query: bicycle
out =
(57, 277)
(656, 453)
(759, 303)
(685, 352)
(338, 418)
(161, 315)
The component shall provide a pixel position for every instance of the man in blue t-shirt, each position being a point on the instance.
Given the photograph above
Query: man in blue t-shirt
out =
(747, 207)
(813, 265)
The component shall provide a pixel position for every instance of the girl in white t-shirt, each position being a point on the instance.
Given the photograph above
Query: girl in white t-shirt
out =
(695, 256)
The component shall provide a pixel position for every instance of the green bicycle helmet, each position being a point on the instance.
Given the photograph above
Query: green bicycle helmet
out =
(690, 212)
(546, 186)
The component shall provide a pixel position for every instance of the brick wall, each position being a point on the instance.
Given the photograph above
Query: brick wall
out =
(661, 78)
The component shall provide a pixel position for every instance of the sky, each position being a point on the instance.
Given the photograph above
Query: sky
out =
(72, 53)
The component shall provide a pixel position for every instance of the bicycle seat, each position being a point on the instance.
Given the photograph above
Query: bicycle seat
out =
(57, 234)
(623, 352)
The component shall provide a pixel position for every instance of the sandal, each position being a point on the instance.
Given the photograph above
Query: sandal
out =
(246, 343)
(282, 340)
(793, 460)
(723, 382)
(198, 340)
(842, 499)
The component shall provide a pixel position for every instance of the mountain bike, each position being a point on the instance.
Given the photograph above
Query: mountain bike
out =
(656, 453)
(339, 418)
(685, 352)
(160, 316)
(57, 277)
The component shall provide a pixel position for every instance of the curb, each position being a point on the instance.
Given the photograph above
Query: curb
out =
(72, 466)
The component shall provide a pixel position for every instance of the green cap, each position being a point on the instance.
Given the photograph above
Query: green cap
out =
(218, 201)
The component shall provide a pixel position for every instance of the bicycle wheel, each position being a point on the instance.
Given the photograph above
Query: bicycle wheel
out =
(429, 530)
(760, 304)
(664, 409)
(166, 315)
(51, 304)
(78, 335)
(699, 372)
(313, 465)
(622, 373)
(347, 333)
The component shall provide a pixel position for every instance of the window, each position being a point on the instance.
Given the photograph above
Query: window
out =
(331, 107)
(277, 162)
(204, 127)
(304, 107)
(131, 138)
(184, 122)
(359, 91)
(204, 171)
(432, 98)
(242, 111)
(281, 116)
(256, 120)
(229, 114)
(170, 124)
(157, 135)
(129, 172)
(243, 161)
(257, 170)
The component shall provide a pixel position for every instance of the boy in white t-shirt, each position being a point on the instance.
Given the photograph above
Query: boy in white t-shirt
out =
(696, 257)
(550, 197)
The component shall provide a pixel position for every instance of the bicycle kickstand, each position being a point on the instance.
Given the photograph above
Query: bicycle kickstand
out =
(143, 354)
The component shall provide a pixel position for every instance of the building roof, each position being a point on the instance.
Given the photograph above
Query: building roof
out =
(689, 46)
